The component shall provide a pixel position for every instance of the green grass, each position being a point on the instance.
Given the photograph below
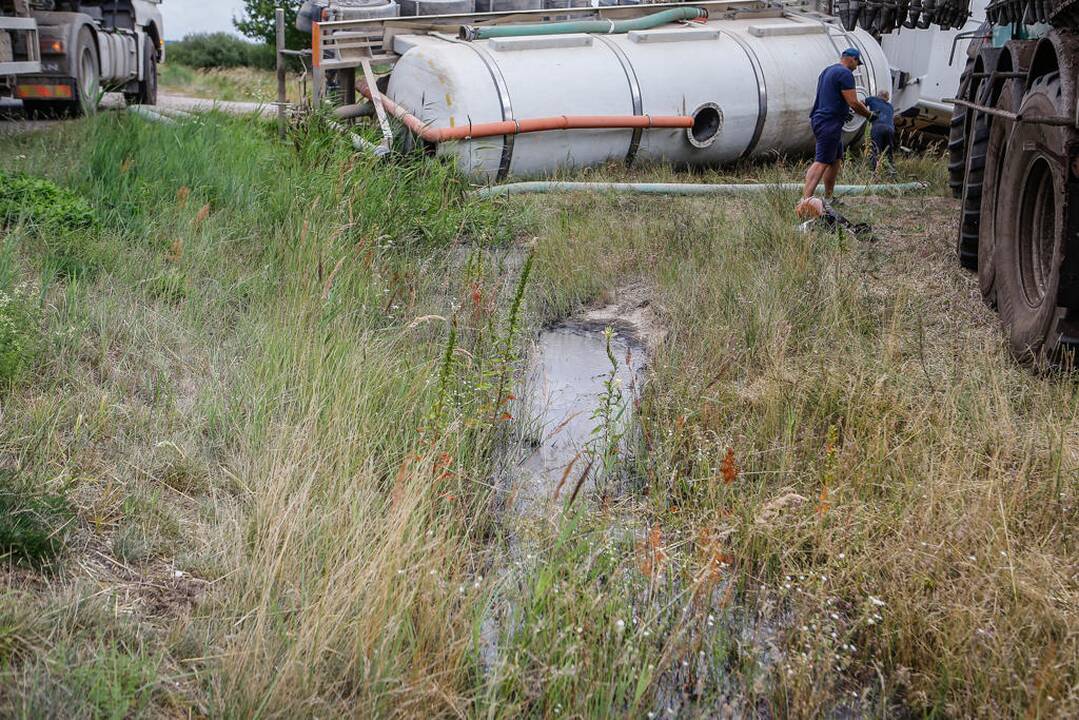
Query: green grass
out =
(277, 407)
(238, 84)
(33, 524)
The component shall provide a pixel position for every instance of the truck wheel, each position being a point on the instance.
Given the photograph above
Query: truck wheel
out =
(1030, 226)
(147, 94)
(957, 134)
(88, 75)
(995, 152)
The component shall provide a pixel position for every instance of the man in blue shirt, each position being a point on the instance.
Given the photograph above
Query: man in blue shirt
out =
(835, 98)
(883, 131)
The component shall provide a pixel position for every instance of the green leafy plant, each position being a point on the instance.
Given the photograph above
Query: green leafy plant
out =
(63, 220)
(33, 525)
(44, 204)
(20, 337)
(606, 443)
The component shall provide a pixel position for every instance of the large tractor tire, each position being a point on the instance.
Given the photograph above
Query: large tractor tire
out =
(977, 142)
(996, 148)
(957, 134)
(1030, 226)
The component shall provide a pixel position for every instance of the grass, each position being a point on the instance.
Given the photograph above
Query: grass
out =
(275, 409)
(239, 84)
(32, 524)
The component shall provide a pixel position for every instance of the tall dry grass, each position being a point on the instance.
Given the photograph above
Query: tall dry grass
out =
(287, 382)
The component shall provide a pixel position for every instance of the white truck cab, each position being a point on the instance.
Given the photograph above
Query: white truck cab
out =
(84, 48)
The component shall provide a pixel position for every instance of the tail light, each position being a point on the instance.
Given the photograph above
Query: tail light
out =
(52, 46)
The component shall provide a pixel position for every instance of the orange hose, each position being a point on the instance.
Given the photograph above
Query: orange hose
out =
(528, 125)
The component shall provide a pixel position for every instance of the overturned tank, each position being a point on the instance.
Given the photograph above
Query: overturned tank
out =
(522, 101)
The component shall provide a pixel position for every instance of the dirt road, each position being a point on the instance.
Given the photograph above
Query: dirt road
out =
(14, 122)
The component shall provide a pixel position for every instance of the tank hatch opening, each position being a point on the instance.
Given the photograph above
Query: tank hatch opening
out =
(707, 122)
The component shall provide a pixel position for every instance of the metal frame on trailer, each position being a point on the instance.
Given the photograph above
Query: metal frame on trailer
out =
(373, 37)
(33, 49)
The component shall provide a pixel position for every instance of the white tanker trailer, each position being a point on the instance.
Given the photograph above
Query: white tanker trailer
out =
(699, 84)
(927, 65)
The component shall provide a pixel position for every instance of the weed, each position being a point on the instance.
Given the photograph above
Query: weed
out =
(61, 219)
(111, 684)
(43, 204)
(33, 525)
(20, 334)
(169, 286)
(609, 414)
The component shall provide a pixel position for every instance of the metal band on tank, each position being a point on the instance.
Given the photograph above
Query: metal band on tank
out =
(635, 94)
(503, 99)
(871, 80)
(762, 92)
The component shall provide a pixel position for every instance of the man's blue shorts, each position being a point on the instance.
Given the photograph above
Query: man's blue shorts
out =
(829, 135)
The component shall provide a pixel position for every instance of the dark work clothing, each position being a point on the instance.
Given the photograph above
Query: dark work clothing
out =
(829, 136)
(830, 104)
(885, 112)
(883, 144)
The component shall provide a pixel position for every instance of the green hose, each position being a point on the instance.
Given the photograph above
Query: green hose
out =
(604, 27)
(685, 188)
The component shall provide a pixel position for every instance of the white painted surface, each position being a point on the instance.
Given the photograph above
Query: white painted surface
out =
(926, 55)
(447, 84)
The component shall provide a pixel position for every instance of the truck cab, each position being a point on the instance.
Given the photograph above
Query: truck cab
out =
(88, 47)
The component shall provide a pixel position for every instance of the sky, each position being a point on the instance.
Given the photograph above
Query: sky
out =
(183, 17)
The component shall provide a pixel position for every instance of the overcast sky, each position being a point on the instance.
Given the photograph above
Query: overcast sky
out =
(183, 17)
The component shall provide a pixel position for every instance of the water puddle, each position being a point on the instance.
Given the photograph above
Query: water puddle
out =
(571, 377)
(575, 370)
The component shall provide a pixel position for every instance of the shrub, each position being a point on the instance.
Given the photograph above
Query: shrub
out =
(64, 221)
(221, 50)
(43, 203)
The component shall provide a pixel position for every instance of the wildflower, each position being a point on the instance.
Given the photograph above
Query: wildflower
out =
(620, 625)
(876, 601)
(728, 468)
